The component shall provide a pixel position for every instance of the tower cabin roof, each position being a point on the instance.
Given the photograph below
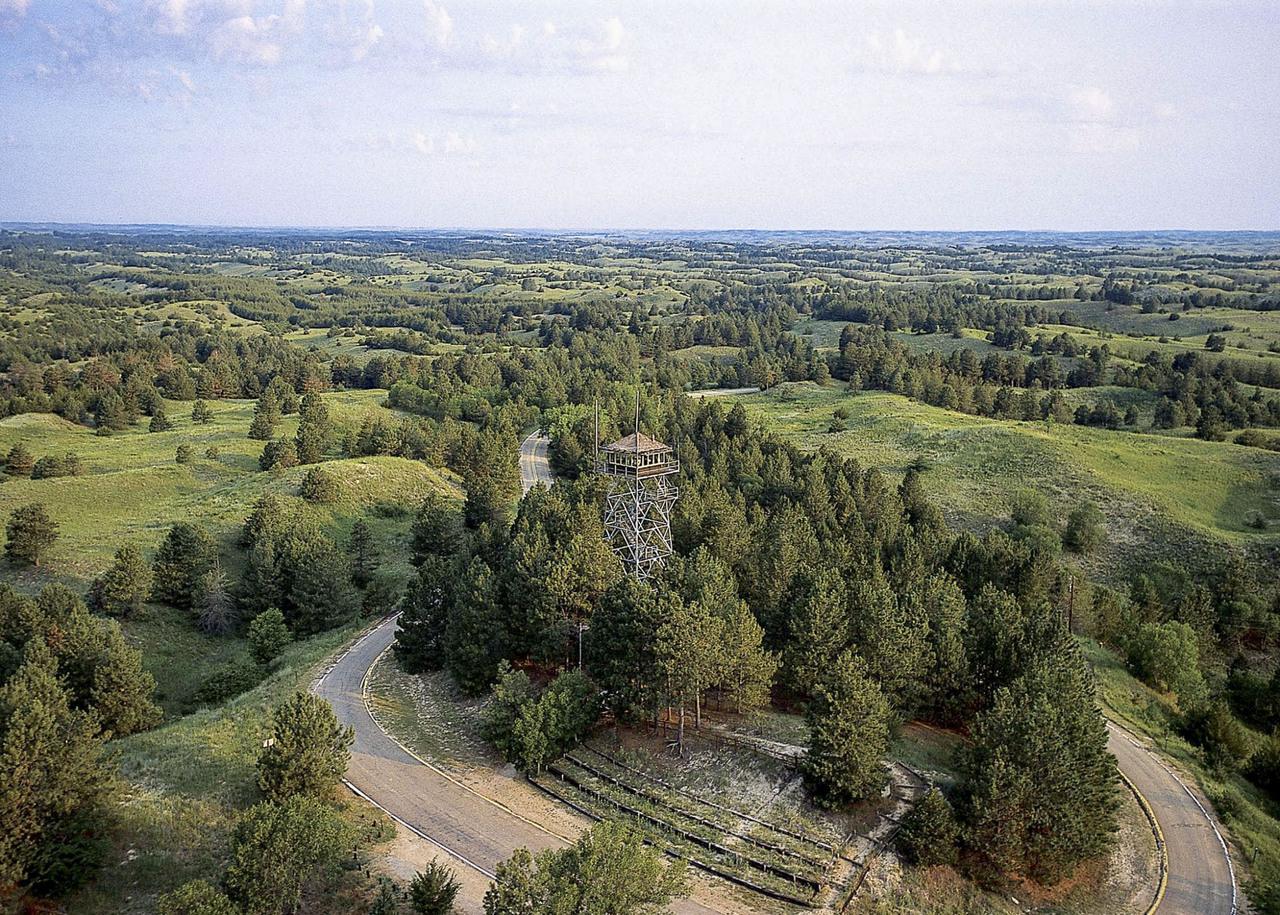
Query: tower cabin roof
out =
(636, 442)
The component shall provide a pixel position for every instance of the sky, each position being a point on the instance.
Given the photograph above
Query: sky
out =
(1070, 115)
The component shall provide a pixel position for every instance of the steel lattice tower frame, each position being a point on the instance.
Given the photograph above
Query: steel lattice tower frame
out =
(638, 501)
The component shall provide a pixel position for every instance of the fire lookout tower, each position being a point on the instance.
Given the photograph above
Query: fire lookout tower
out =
(638, 502)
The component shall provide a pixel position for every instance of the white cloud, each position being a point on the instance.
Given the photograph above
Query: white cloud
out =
(1091, 105)
(900, 53)
(247, 39)
(370, 37)
(456, 144)
(614, 33)
(439, 23)
(171, 16)
(423, 143)
(452, 144)
(184, 79)
(13, 9)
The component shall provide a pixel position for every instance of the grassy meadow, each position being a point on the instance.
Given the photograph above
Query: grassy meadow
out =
(132, 490)
(1158, 492)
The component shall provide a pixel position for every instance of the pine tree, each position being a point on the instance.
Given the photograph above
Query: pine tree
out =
(278, 456)
(892, 635)
(363, 553)
(470, 641)
(119, 688)
(265, 417)
(849, 721)
(314, 430)
(20, 461)
(621, 648)
(54, 790)
(1039, 787)
(749, 669)
(308, 752)
(930, 834)
(433, 891)
(435, 528)
(492, 481)
(690, 656)
(184, 559)
(320, 594)
(268, 636)
(123, 588)
(320, 487)
(159, 421)
(425, 611)
(201, 414)
(30, 532)
(819, 629)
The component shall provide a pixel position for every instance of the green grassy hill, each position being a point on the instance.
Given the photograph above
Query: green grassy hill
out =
(133, 490)
(1160, 493)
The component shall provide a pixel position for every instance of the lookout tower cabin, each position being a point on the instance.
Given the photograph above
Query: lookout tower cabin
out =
(638, 502)
(637, 455)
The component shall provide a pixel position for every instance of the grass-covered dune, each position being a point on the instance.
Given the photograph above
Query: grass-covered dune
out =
(1158, 492)
(133, 489)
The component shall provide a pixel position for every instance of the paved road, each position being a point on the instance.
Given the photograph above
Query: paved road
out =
(1200, 878)
(534, 466)
(721, 392)
(471, 829)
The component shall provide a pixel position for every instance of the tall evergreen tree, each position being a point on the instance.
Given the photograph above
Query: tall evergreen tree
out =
(622, 648)
(818, 629)
(53, 793)
(265, 417)
(1039, 786)
(181, 565)
(314, 429)
(690, 652)
(363, 553)
(30, 532)
(849, 721)
(424, 614)
(472, 645)
(123, 588)
(201, 414)
(308, 752)
(20, 462)
(435, 528)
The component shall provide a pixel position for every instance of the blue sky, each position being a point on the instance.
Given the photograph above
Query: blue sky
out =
(595, 114)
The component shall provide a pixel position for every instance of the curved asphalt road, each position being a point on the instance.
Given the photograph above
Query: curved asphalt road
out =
(1201, 880)
(480, 833)
(475, 831)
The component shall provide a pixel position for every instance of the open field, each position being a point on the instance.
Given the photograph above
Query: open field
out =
(132, 490)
